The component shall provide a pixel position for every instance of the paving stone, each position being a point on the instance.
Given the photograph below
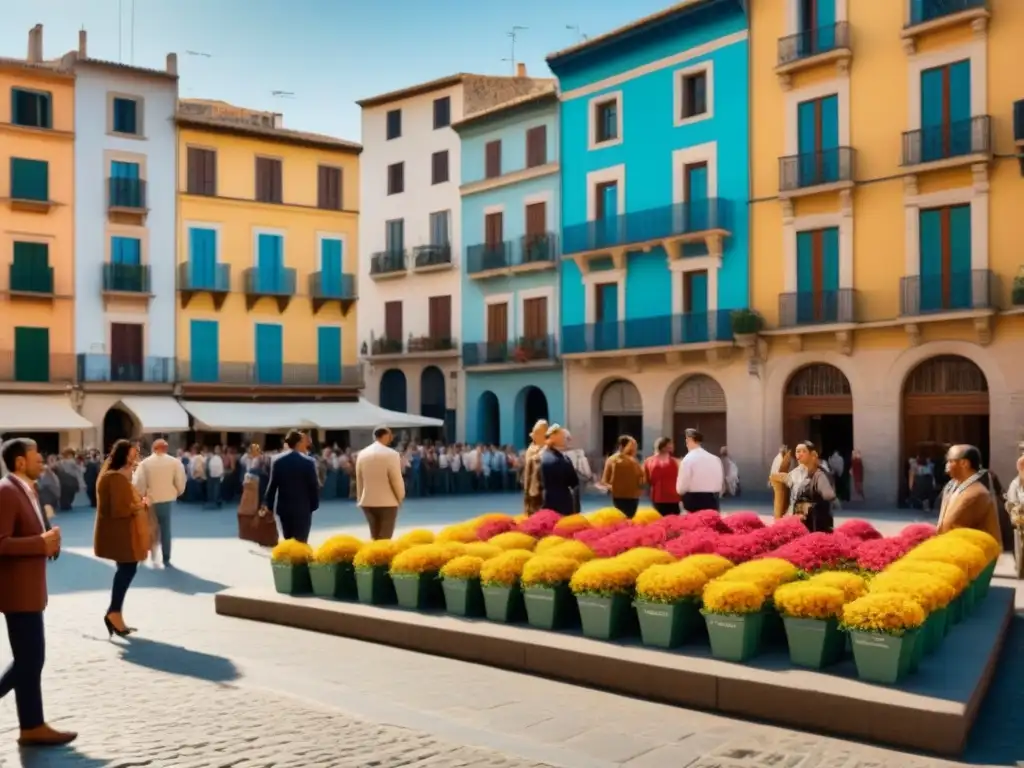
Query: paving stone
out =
(611, 745)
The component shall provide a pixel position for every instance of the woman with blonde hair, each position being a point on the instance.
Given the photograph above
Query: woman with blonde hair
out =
(255, 523)
(532, 487)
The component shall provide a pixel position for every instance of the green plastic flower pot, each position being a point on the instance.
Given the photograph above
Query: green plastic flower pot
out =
(934, 630)
(956, 612)
(985, 579)
(551, 607)
(667, 625)
(462, 597)
(418, 591)
(918, 650)
(883, 658)
(333, 580)
(773, 628)
(814, 643)
(374, 586)
(606, 618)
(970, 598)
(291, 579)
(504, 604)
(735, 638)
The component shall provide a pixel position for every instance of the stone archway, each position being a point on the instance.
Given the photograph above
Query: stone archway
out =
(118, 424)
(621, 411)
(818, 406)
(394, 391)
(699, 403)
(433, 399)
(531, 407)
(488, 419)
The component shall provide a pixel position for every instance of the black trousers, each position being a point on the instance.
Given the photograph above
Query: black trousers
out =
(123, 577)
(667, 507)
(296, 528)
(626, 506)
(23, 676)
(695, 502)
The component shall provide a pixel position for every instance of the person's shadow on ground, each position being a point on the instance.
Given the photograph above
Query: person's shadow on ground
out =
(73, 572)
(64, 757)
(176, 660)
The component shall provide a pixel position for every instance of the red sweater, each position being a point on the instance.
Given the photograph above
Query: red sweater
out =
(661, 473)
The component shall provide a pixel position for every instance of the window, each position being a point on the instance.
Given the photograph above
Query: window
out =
(537, 245)
(202, 172)
(606, 200)
(535, 317)
(204, 349)
(946, 278)
(492, 159)
(268, 180)
(332, 261)
(439, 167)
(394, 236)
(695, 95)
(818, 140)
(269, 354)
(817, 26)
(270, 274)
(31, 354)
(328, 354)
(817, 275)
(497, 323)
(30, 179)
(494, 226)
(946, 125)
(396, 179)
(394, 124)
(328, 188)
(439, 315)
(126, 352)
(536, 146)
(125, 250)
(202, 259)
(439, 228)
(32, 109)
(127, 190)
(442, 112)
(30, 269)
(126, 116)
(606, 121)
(393, 320)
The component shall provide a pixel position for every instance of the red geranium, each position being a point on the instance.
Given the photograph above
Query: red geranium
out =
(743, 522)
(781, 532)
(878, 554)
(917, 533)
(740, 547)
(591, 536)
(818, 551)
(540, 524)
(493, 527)
(628, 538)
(859, 529)
(696, 543)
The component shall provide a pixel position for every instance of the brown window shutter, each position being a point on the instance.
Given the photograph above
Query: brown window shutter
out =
(493, 226)
(261, 179)
(536, 146)
(393, 320)
(493, 159)
(277, 176)
(192, 171)
(497, 323)
(536, 219)
(535, 318)
(209, 171)
(440, 317)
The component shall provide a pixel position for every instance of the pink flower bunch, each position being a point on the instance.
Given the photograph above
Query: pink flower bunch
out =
(677, 525)
(590, 536)
(704, 542)
(858, 529)
(743, 522)
(540, 524)
(628, 538)
(917, 533)
(878, 554)
(782, 532)
(741, 547)
(818, 551)
(493, 527)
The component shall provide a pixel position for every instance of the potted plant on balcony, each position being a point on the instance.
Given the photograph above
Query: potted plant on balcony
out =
(1018, 288)
(746, 324)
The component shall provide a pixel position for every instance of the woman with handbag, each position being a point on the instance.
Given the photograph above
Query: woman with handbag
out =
(255, 523)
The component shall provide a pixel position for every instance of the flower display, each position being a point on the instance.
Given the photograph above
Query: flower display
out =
(337, 549)
(606, 516)
(670, 583)
(481, 549)
(966, 556)
(732, 598)
(705, 519)
(878, 554)
(464, 567)
(505, 569)
(415, 537)
(890, 613)
(491, 528)
(646, 516)
(291, 552)
(781, 532)
(452, 548)
(627, 538)
(699, 542)
(513, 540)
(850, 584)
(951, 574)
(374, 554)
(804, 600)
(930, 592)
(917, 533)
(741, 547)
(645, 557)
(571, 524)
(604, 578)
(766, 575)
(540, 524)
(422, 558)
(743, 522)
(548, 571)
(462, 532)
(858, 529)
(574, 550)
(818, 551)
(712, 565)
(490, 517)
(983, 541)
(549, 542)
(593, 535)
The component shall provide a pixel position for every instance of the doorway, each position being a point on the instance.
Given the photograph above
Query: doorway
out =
(531, 407)
(622, 413)
(488, 419)
(699, 403)
(117, 425)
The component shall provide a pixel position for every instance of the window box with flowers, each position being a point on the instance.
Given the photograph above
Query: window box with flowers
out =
(604, 591)
(668, 603)
(734, 614)
(331, 572)
(499, 581)
(811, 616)
(290, 563)
(885, 627)
(746, 325)
(549, 601)
(415, 573)
(371, 563)
(528, 349)
(460, 582)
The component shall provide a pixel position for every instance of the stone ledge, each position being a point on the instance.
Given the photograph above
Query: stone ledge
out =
(932, 712)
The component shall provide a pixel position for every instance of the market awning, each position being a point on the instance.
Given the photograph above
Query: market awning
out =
(278, 417)
(361, 415)
(157, 414)
(39, 413)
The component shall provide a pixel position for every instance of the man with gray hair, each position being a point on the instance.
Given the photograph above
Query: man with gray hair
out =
(161, 478)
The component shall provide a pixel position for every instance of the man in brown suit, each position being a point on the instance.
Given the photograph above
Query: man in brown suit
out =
(26, 541)
(967, 501)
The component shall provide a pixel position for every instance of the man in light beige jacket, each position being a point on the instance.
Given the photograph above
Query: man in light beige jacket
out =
(161, 479)
(380, 489)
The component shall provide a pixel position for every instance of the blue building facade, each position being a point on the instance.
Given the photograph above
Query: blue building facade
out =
(510, 309)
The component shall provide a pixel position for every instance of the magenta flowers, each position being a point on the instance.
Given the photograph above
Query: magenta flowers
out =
(540, 524)
(878, 554)
(704, 542)
(628, 538)
(591, 536)
(858, 529)
(743, 522)
(917, 533)
(818, 551)
(493, 527)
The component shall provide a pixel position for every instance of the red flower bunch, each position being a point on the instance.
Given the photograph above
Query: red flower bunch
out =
(703, 542)
(740, 547)
(781, 532)
(858, 529)
(743, 522)
(493, 527)
(878, 554)
(917, 533)
(591, 536)
(625, 539)
(540, 524)
(818, 551)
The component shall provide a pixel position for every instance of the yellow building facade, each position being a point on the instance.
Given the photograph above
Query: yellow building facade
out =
(886, 199)
(267, 250)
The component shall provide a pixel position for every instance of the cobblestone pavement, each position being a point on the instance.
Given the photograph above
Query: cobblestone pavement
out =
(195, 689)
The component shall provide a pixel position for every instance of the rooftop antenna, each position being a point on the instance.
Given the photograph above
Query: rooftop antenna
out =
(512, 35)
(576, 28)
(282, 94)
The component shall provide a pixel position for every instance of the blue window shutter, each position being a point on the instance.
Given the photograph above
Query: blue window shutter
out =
(805, 262)
(331, 259)
(610, 302)
(270, 261)
(932, 97)
(960, 91)
(698, 293)
(962, 277)
(204, 349)
(328, 344)
(611, 201)
(828, 167)
(807, 142)
(825, 32)
(269, 354)
(202, 246)
(122, 170)
(698, 182)
(126, 250)
(930, 294)
(830, 260)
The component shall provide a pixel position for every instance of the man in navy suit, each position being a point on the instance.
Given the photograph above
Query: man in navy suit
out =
(293, 491)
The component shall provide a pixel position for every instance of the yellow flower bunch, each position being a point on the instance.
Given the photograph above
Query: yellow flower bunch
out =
(481, 549)
(984, 541)
(513, 540)
(462, 567)
(375, 553)
(950, 574)
(416, 537)
(337, 549)
(671, 583)
(604, 577)
(732, 597)
(505, 569)
(291, 552)
(452, 548)
(712, 565)
(930, 592)
(851, 585)
(574, 550)
(804, 600)
(571, 524)
(548, 542)
(891, 613)
(520, 518)
(644, 557)
(966, 556)
(605, 516)
(422, 558)
(461, 532)
(646, 515)
(548, 571)
(489, 517)
(767, 575)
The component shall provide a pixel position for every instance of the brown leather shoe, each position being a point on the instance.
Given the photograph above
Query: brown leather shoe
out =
(45, 736)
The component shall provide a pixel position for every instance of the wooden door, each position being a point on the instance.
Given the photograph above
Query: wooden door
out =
(126, 350)
(497, 323)
(535, 318)
(393, 321)
(494, 225)
(536, 220)
(440, 318)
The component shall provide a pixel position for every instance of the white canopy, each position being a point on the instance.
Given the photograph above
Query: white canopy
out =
(158, 414)
(278, 417)
(39, 413)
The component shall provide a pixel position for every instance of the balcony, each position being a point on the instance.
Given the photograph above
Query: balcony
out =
(212, 278)
(385, 265)
(432, 258)
(278, 284)
(812, 173)
(814, 308)
(273, 374)
(529, 253)
(105, 369)
(127, 279)
(810, 48)
(325, 288)
(31, 279)
(649, 333)
(1018, 123)
(427, 346)
(126, 197)
(951, 145)
(524, 353)
(678, 228)
(928, 16)
(953, 292)
(30, 367)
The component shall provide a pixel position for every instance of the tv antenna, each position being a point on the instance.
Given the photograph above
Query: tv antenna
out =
(576, 28)
(199, 53)
(282, 94)
(513, 35)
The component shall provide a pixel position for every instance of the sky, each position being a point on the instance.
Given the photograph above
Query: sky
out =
(328, 54)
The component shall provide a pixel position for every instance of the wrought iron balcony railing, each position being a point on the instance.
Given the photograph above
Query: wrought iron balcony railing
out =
(127, 194)
(949, 140)
(269, 282)
(31, 276)
(812, 42)
(660, 331)
(949, 292)
(388, 262)
(648, 225)
(817, 308)
(127, 278)
(269, 373)
(522, 351)
(425, 256)
(211, 277)
(105, 368)
(36, 368)
(323, 285)
(812, 169)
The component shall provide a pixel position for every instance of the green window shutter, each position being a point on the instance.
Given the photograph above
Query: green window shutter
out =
(30, 179)
(32, 354)
(47, 110)
(30, 268)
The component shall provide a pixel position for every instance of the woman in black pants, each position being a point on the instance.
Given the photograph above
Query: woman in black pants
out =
(624, 477)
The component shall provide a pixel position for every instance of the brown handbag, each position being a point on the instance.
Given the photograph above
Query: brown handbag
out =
(260, 528)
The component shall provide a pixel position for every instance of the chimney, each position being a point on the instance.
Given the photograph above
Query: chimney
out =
(520, 69)
(172, 63)
(82, 45)
(35, 44)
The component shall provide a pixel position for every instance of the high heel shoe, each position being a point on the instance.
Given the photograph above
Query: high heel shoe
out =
(112, 630)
